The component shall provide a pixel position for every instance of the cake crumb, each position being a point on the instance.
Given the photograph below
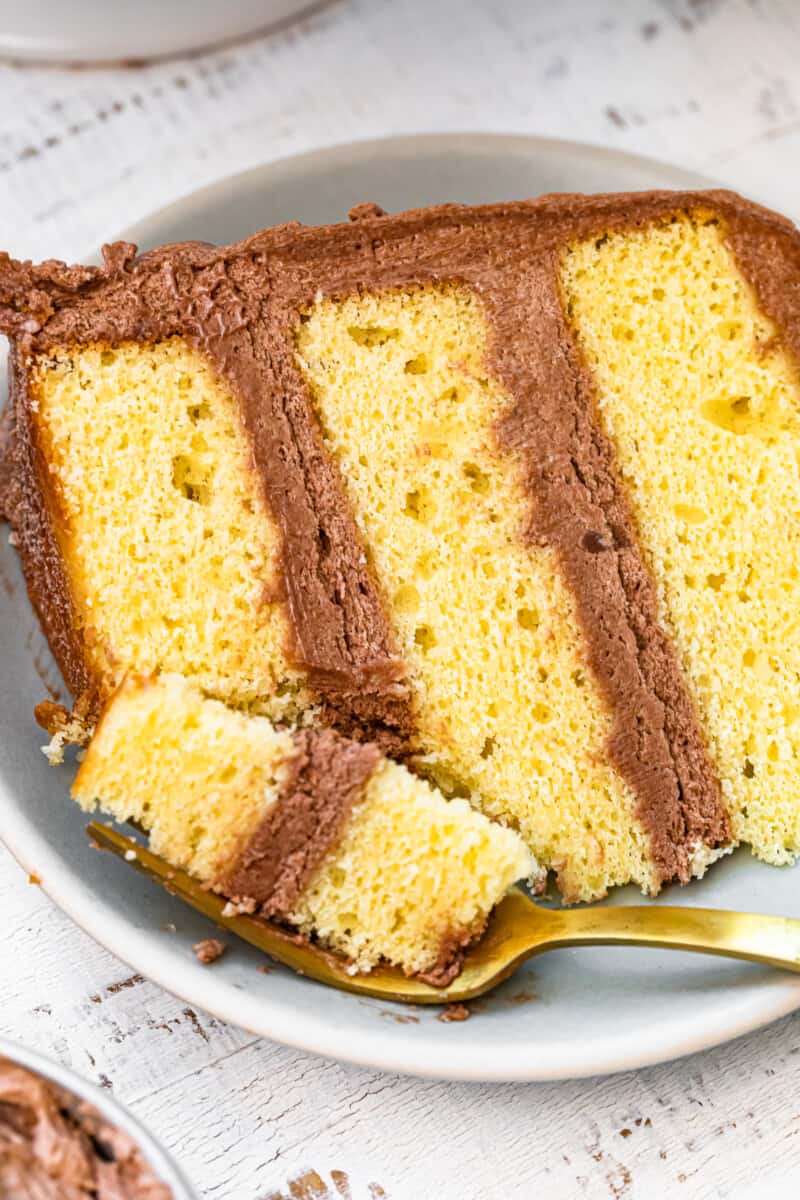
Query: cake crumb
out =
(209, 950)
(246, 907)
(54, 750)
(64, 727)
(34, 878)
(454, 1012)
(365, 210)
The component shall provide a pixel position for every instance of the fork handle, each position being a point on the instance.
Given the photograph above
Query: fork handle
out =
(750, 936)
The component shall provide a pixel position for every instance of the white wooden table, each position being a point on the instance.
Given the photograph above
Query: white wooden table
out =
(710, 84)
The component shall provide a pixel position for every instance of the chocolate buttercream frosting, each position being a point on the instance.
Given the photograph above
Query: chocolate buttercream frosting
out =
(240, 306)
(226, 307)
(54, 1145)
(324, 779)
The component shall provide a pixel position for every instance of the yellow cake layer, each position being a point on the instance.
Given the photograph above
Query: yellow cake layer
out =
(171, 554)
(200, 777)
(412, 868)
(703, 406)
(506, 709)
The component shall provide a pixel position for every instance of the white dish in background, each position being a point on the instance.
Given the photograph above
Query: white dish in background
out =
(83, 31)
(109, 1108)
(569, 1013)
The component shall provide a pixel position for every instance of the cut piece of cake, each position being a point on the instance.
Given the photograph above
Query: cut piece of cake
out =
(511, 490)
(305, 827)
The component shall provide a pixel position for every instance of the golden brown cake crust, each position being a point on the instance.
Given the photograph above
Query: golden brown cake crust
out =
(240, 306)
(24, 502)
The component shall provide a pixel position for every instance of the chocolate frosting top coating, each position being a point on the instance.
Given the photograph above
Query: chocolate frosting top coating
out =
(240, 305)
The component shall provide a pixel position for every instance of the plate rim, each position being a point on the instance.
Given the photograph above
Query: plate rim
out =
(370, 1048)
(69, 47)
(674, 177)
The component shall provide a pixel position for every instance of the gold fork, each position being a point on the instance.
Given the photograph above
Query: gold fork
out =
(517, 930)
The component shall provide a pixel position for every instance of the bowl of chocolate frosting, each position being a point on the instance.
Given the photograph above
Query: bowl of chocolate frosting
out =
(63, 1138)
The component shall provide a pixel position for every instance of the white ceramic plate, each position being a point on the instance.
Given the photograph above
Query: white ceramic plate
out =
(80, 30)
(571, 1012)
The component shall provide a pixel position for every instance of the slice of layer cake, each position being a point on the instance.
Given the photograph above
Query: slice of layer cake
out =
(512, 490)
(305, 827)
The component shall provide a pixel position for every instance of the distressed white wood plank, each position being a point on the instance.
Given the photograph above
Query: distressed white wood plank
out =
(711, 84)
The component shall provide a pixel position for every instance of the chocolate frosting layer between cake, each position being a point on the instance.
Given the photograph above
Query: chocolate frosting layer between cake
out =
(579, 508)
(325, 778)
(223, 305)
(241, 304)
